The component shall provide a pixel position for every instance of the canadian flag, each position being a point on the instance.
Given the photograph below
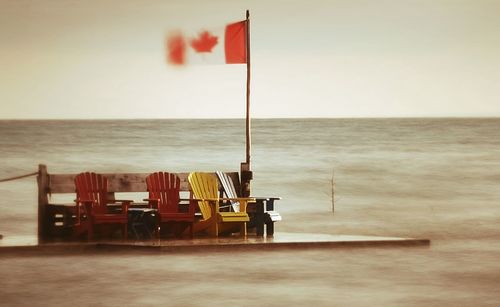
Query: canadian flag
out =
(225, 45)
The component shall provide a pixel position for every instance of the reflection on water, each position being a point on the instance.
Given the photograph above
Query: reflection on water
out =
(427, 178)
(26, 240)
(344, 277)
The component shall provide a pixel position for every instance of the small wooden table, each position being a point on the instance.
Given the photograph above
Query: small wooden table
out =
(264, 214)
(142, 223)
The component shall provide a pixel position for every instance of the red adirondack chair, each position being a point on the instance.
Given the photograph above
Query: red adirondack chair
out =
(163, 191)
(92, 205)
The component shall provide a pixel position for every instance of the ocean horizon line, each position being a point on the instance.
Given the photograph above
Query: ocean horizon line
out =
(242, 118)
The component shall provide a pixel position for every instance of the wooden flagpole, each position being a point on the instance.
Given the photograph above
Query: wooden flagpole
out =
(246, 173)
(248, 134)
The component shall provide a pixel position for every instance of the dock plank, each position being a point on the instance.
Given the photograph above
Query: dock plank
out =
(30, 245)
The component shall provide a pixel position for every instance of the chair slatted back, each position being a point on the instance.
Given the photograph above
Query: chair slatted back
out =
(204, 186)
(165, 187)
(93, 187)
(228, 186)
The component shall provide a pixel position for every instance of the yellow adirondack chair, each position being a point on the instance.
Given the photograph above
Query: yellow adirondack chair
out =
(205, 189)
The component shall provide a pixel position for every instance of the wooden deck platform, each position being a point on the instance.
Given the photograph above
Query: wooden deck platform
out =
(29, 244)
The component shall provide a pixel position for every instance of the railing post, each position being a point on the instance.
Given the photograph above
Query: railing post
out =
(246, 176)
(43, 189)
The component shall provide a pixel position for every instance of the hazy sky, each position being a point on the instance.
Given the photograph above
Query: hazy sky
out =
(350, 58)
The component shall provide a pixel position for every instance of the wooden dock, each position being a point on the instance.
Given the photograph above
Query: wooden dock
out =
(56, 223)
(280, 241)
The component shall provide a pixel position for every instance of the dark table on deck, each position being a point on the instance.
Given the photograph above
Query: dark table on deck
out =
(142, 223)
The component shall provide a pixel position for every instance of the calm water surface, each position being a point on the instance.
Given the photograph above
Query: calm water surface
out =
(432, 178)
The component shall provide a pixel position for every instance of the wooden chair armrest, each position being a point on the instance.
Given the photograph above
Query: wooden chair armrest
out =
(267, 202)
(122, 201)
(212, 203)
(86, 204)
(243, 202)
(153, 203)
(82, 200)
(125, 204)
(245, 199)
(205, 199)
(192, 204)
(267, 198)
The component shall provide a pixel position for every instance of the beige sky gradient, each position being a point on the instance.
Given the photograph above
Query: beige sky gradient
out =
(106, 59)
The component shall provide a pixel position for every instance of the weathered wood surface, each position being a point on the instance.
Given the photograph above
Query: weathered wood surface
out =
(118, 182)
(124, 182)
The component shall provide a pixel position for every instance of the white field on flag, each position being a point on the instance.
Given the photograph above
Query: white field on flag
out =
(214, 56)
(207, 45)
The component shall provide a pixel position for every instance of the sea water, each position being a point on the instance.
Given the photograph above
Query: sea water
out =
(425, 178)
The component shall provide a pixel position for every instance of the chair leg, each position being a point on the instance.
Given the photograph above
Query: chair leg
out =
(243, 229)
(259, 220)
(259, 226)
(90, 232)
(213, 230)
(157, 230)
(270, 228)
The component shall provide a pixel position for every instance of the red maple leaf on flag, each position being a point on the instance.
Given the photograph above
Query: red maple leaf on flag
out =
(205, 42)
